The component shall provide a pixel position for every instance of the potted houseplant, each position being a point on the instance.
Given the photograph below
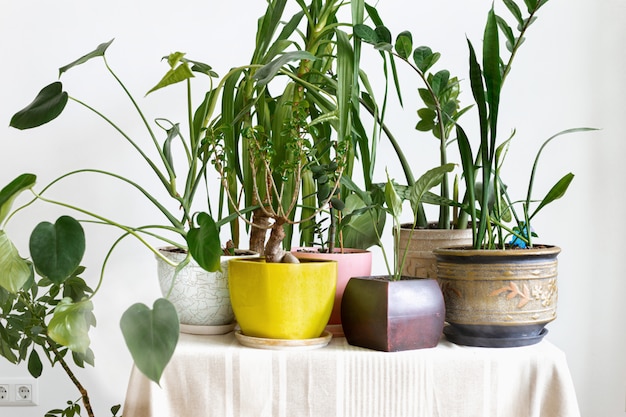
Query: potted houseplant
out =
(197, 233)
(502, 290)
(440, 112)
(270, 143)
(396, 312)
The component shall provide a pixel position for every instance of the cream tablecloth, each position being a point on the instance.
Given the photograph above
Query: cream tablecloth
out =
(216, 376)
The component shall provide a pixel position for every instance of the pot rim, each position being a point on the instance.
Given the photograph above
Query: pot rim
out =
(261, 260)
(174, 251)
(387, 278)
(466, 251)
(313, 250)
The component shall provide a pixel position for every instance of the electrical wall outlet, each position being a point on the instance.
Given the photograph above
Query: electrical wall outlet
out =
(18, 392)
(4, 393)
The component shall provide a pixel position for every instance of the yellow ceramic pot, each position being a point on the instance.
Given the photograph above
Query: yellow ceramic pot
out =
(282, 301)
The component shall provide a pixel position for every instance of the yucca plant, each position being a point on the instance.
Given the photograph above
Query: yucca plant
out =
(275, 144)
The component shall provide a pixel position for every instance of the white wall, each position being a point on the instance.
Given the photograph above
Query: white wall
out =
(569, 73)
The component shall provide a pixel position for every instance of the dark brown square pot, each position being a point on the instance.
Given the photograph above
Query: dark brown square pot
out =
(392, 316)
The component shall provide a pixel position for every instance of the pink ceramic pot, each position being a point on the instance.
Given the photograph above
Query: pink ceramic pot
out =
(350, 263)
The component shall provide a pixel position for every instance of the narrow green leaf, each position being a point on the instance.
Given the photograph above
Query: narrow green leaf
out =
(14, 270)
(267, 72)
(47, 106)
(515, 10)
(556, 192)
(57, 249)
(507, 31)
(204, 243)
(151, 336)
(70, 324)
(10, 192)
(531, 5)
(99, 51)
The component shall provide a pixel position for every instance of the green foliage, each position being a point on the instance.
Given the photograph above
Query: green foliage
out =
(151, 336)
(440, 96)
(490, 205)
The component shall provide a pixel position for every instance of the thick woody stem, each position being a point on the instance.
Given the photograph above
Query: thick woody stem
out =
(273, 250)
(258, 231)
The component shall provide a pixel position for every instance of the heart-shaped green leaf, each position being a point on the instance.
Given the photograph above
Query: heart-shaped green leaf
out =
(151, 336)
(204, 243)
(70, 324)
(14, 271)
(57, 249)
(47, 106)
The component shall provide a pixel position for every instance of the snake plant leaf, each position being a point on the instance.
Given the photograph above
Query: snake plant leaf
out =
(47, 106)
(10, 192)
(99, 51)
(14, 270)
(151, 336)
(204, 243)
(556, 192)
(404, 44)
(57, 249)
(70, 323)
(267, 72)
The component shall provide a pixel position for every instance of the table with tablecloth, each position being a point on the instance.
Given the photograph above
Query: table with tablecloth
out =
(217, 376)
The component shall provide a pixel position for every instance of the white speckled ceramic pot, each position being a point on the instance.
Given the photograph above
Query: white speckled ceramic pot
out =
(201, 298)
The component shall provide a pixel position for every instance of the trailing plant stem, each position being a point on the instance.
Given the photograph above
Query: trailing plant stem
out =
(83, 392)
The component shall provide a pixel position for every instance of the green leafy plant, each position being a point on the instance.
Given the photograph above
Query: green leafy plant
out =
(274, 144)
(198, 233)
(45, 304)
(388, 199)
(490, 206)
(439, 94)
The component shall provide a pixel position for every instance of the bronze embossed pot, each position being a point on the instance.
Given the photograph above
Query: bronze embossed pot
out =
(498, 298)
